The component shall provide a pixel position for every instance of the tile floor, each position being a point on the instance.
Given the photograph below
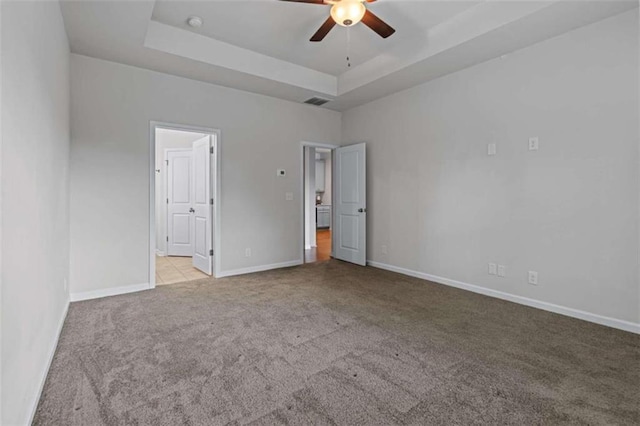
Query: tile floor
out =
(173, 269)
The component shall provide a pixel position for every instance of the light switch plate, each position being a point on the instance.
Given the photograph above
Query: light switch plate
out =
(493, 269)
(492, 149)
(502, 271)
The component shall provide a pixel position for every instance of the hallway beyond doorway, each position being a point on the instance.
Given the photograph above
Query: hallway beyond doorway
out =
(323, 249)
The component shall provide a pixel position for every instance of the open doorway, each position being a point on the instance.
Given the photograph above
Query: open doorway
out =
(344, 198)
(318, 196)
(183, 203)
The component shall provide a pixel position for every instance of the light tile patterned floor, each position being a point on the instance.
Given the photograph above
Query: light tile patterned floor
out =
(173, 269)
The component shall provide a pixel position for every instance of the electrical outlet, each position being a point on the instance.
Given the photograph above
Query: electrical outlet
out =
(533, 278)
(383, 249)
(492, 149)
(502, 271)
(493, 269)
(534, 144)
(247, 252)
(288, 196)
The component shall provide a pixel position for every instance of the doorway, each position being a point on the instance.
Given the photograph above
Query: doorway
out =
(318, 197)
(184, 207)
(345, 203)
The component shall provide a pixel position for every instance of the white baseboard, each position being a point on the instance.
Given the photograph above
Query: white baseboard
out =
(160, 253)
(113, 291)
(562, 310)
(52, 352)
(260, 268)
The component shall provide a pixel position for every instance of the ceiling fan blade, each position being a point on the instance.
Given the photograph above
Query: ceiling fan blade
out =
(307, 1)
(324, 30)
(378, 25)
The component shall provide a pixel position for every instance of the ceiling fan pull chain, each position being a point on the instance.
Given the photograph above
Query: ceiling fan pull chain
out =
(348, 47)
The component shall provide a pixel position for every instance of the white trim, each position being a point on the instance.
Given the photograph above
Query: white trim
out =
(152, 204)
(160, 253)
(153, 125)
(52, 352)
(111, 291)
(303, 145)
(558, 309)
(217, 195)
(260, 268)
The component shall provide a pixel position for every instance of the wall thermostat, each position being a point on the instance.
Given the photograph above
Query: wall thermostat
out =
(281, 172)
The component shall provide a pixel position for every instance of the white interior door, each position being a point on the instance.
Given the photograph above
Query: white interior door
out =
(203, 206)
(350, 201)
(179, 201)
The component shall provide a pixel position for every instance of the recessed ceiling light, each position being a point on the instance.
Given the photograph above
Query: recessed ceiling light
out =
(194, 21)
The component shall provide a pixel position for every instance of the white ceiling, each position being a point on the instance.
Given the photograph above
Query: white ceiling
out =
(282, 29)
(262, 45)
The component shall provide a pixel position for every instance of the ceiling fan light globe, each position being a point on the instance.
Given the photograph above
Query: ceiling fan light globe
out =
(348, 12)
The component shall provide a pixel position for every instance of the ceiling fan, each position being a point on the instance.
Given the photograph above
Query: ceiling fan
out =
(347, 13)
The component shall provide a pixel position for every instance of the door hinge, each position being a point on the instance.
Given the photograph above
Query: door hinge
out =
(211, 149)
(211, 252)
(167, 201)
(167, 238)
(212, 201)
(166, 161)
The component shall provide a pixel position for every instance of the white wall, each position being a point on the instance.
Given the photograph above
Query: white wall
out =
(112, 106)
(569, 211)
(165, 139)
(35, 214)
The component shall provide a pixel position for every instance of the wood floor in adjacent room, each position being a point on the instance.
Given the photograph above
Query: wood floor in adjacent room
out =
(323, 250)
(333, 343)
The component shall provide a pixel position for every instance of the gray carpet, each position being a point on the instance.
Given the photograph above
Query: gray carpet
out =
(333, 343)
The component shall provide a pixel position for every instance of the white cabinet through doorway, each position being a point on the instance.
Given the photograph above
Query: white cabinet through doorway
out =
(323, 217)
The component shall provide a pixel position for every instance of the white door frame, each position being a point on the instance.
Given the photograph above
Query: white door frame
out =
(304, 145)
(216, 189)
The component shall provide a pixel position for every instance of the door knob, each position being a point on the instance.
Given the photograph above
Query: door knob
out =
(191, 210)
(361, 210)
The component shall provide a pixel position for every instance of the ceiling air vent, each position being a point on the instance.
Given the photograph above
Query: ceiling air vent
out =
(316, 101)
